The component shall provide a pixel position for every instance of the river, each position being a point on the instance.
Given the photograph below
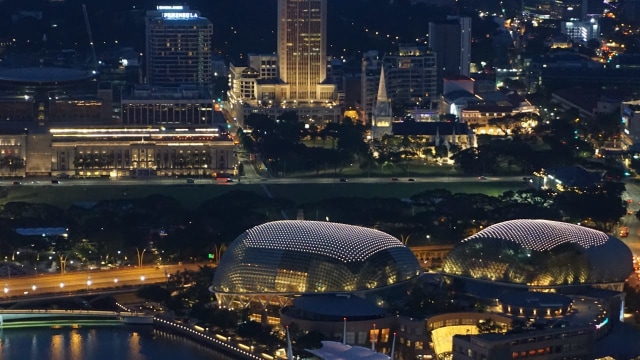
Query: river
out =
(99, 342)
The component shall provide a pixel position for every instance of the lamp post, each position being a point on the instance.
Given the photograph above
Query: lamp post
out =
(88, 282)
(140, 256)
(6, 290)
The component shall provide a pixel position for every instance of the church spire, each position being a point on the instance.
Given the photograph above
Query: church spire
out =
(382, 87)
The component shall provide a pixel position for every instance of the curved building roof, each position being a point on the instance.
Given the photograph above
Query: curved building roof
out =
(297, 257)
(540, 253)
(43, 74)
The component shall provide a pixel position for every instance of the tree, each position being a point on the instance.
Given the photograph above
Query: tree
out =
(154, 293)
(249, 330)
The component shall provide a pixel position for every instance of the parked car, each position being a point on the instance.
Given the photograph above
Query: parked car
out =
(343, 180)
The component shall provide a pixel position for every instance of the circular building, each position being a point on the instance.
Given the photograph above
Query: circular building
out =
(541, 254)
(295, 257)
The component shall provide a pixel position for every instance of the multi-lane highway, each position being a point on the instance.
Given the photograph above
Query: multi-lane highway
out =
(83, 281)
(252, 180)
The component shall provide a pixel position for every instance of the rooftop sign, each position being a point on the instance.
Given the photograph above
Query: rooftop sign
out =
(179, 15)
(169, 7)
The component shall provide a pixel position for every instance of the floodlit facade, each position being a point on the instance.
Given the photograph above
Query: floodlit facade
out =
(541, 254)
(178, 49)
(302, 42)
(282, 259)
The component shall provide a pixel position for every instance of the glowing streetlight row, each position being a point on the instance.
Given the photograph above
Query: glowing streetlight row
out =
(62, 285)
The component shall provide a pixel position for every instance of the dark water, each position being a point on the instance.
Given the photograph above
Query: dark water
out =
(115, 342)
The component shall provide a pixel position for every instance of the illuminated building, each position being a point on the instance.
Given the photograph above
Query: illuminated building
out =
(541, 255)
(116, 151)
(568, 178)
(315, 274)
(409, 77)
(574, 343)
(582, 31)
(288, 258)
(186, 104)
(178, 46)
(382, 116)
(630, 115)
(302, 47)
(297, 81)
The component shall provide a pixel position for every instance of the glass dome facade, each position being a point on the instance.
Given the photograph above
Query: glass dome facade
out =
(540, 253)
(298, 257)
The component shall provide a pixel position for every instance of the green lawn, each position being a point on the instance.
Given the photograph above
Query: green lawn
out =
(305, 193)
(193, 195)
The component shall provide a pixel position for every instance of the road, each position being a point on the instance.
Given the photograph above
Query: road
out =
(82, 281)
(252, 180)
(633, 240)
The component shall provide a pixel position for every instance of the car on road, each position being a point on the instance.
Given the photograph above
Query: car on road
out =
(394, 179)
(482, 178)
(55, 181)
(411, 179)
(343, 180)
(624, 232)
(16, 183)
(191, 181)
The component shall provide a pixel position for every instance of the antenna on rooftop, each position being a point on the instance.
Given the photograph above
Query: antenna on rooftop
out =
(94, 61)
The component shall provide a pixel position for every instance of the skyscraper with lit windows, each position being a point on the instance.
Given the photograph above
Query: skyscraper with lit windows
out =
(178, 46)
(302, 46)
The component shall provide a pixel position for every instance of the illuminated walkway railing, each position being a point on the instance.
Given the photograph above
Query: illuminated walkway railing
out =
(216, 341)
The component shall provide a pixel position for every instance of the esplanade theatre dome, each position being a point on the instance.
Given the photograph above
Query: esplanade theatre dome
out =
(294, 257)
(541, 253)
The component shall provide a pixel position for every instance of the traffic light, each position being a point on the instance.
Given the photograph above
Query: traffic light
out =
(210, 255)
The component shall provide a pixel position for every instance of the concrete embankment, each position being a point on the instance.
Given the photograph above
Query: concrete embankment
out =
(216, 342)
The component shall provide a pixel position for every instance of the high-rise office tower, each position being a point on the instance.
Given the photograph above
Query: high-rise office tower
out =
(178, 46)
(410, 77)
(451, 41)
(302, 46)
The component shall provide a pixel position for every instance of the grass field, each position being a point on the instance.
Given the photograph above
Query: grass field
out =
(191, 196)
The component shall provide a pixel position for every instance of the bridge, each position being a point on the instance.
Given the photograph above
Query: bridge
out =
(34, 317)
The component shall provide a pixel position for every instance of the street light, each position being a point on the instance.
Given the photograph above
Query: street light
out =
(61, 285)
(6, 290)
(115, 281)
(33, 287)
(88, 282)
(142, 278)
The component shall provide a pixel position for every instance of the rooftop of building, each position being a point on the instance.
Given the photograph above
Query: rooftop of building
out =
(44, 74)
(457, 78)
(337, 306)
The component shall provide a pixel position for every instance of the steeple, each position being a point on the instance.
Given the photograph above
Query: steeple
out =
(382, 112)
(382, 88)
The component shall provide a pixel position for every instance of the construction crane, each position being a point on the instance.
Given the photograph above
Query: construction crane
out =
(94, 60)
